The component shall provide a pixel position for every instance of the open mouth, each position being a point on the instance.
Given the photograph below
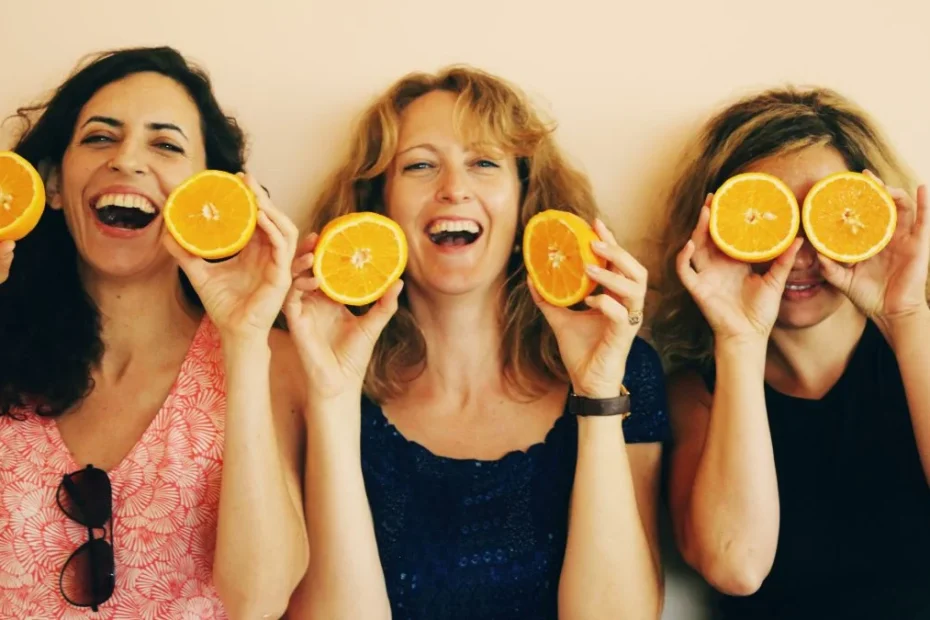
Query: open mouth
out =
(452, 233)
(127, 211)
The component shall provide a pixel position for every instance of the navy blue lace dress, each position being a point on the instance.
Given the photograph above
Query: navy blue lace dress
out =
(468, 539)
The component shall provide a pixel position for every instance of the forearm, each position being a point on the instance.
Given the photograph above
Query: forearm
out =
(261, 546)
(609, 570)
(345, 579)
(909, 337)
(731, 528)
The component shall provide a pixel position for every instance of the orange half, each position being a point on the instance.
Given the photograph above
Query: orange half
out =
(556, 249)
(358, 257)
(212, 215)
(22, 197)
(754, 217)
(849, 217)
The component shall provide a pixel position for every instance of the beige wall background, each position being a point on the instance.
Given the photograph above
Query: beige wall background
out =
(627, 81)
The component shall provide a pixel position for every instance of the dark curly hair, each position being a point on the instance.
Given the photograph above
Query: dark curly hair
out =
(49, 325)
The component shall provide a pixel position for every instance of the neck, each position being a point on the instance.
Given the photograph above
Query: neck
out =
(140, 317)
(808, 362)
(463, 340)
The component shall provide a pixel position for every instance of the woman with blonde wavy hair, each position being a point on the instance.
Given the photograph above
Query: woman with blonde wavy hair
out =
(452, 471)
(799, 397)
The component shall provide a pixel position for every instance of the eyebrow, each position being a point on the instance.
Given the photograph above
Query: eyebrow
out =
(112, 122)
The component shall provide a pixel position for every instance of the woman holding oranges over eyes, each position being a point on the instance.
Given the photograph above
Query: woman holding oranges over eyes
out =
(456, 467)
(800, 403)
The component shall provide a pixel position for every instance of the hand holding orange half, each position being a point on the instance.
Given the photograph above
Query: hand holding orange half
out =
(737, 302)
(335, 345)
(214, 215)
(22, 202)
(566, 261)
(874, 242)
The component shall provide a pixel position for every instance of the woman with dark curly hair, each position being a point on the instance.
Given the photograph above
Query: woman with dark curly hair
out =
(146, 470)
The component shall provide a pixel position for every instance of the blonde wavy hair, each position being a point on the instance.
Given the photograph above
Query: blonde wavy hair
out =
(773, 122)
(488, 111)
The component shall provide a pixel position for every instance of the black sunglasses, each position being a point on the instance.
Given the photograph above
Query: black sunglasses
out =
(88, 577)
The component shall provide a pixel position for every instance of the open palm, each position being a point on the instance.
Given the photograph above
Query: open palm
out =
(244, 294)
(334, 345)
(891, 283)
(736, 301)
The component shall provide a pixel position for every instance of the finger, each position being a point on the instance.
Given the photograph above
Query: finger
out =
(302, 264)
(780, 270)
(196, 268)
(549, 312)
(280, 246)
(307, 284)
(609, 249)
(836, 274)
(307, 244)
(293, 303)
(906, 208)
(281, 221)
(627, 291)
(922, 220)
(375, 320)
(873, 176)
(686, 273)
(7, 247)
(700, 237)
(609, 307)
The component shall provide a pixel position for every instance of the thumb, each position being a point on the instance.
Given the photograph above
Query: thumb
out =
(549, 311)
(835, 273)
(376, 319)
(194, 266)
(780, 270)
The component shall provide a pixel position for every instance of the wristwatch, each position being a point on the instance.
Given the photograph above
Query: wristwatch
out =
(583, 406)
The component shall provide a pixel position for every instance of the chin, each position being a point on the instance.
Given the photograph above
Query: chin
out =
(808, 313)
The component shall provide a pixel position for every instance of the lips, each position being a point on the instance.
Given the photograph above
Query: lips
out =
(120, 208)
(448, 232)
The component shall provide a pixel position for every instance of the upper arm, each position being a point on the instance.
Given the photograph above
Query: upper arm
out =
(689, 408)
(288, 404)
(645, 430)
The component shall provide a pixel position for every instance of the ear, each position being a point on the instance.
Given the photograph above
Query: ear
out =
(52, 177)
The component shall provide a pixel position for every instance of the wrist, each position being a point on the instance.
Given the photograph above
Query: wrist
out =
(244, 344)
(905, 327)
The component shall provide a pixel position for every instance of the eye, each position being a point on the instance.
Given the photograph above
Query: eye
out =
(168, 146)
(420, 165)
(96, 139)
(486, 163)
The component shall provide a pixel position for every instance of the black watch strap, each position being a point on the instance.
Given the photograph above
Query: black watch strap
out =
(580, 405)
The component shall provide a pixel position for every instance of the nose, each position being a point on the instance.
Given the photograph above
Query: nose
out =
(453, 187)
(128, 159)
(806, 256)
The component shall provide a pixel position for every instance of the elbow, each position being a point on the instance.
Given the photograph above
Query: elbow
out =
(731, 574)
(249, 596)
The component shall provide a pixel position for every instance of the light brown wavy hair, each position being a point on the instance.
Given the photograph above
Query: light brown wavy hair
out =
(773, 122)
(488, 111)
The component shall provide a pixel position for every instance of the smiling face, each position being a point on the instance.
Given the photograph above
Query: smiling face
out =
(134, 141)
(807, 299)
(457, 203)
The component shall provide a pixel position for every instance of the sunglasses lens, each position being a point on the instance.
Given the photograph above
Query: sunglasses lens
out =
(85, 496)
(88, 577)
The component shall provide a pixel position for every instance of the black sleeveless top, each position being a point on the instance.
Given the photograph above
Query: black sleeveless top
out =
(854, 540)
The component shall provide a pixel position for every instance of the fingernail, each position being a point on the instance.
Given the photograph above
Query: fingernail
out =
(593, 269)
(599, 245)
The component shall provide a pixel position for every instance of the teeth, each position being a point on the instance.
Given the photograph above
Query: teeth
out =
(799, 287)
(441, 226)
(127, 201)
